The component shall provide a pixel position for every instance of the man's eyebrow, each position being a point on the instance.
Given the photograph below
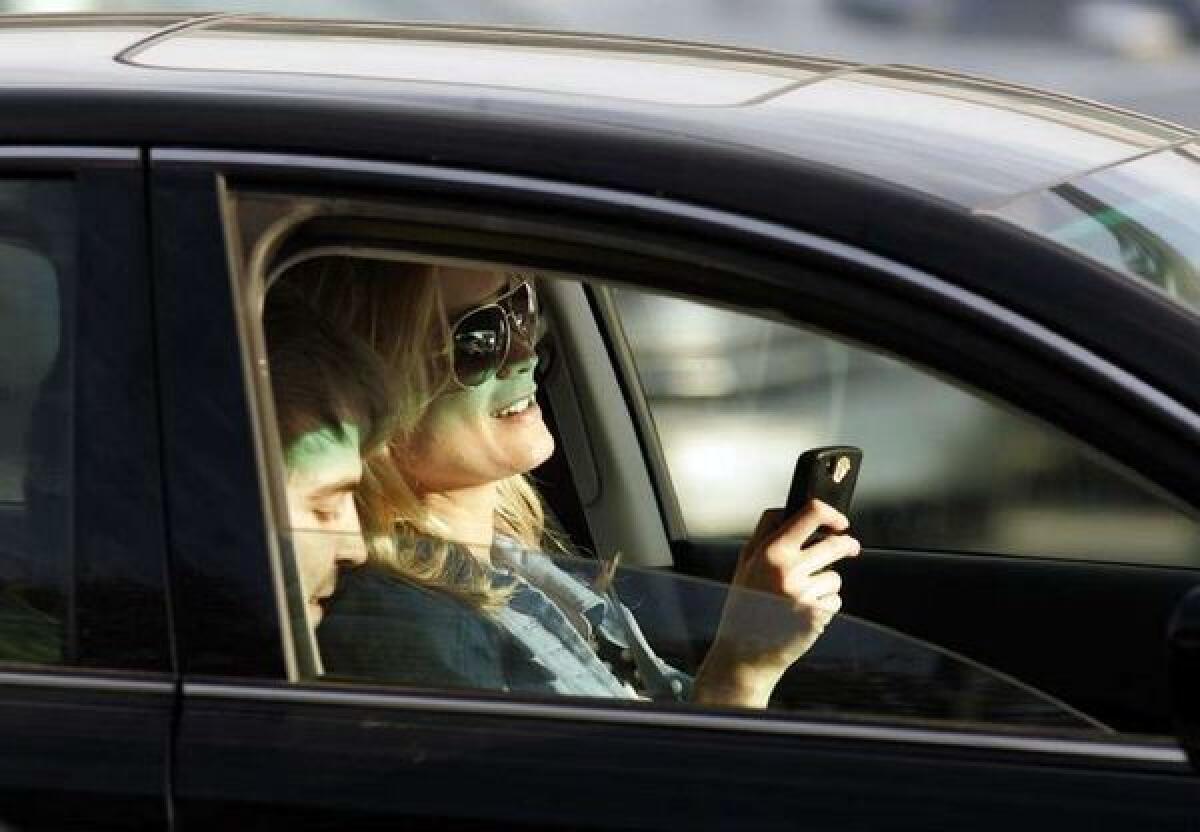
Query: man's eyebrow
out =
(339, 487)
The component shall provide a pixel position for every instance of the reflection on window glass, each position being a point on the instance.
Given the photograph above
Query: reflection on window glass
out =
(736, 399)
(1141, 218)
(554, 627)
(36, 226)
(569, 627)
(416, 555)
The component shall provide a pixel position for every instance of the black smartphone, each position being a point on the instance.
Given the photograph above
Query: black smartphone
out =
(828, 474)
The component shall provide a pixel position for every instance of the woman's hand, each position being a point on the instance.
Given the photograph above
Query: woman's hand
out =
(782, 597)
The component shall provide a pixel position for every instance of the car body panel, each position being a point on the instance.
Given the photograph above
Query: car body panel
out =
(537, 70)
(84, 751)
(938, 135)
(325, 757)
(759, 102)
(221, 573)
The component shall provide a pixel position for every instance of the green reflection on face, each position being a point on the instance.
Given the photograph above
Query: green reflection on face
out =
(322, 449)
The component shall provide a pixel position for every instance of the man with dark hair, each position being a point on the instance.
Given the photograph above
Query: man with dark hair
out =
(330, 406)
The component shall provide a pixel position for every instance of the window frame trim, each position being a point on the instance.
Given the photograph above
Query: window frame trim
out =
(1108, 749)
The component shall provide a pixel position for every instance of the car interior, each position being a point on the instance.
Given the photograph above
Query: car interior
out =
(35, 265)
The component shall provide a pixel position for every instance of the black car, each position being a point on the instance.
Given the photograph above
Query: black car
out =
(992, 290)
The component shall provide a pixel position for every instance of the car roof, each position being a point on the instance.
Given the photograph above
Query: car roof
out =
(906, 163)
(965, 141)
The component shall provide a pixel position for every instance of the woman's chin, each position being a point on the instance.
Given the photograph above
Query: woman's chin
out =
(526, 433)
(489, 453)
(537, 441)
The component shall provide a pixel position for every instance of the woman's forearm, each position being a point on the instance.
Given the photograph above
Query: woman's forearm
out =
(723, 680)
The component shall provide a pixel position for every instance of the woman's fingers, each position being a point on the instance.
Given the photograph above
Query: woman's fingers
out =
(797, 529)
(776, 561)
(787, 560)
(830, 550)
(809, 588)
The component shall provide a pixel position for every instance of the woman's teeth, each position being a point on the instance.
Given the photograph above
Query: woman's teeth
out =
(516, 407)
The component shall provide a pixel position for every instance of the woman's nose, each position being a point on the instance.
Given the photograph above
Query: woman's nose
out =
(522, 358)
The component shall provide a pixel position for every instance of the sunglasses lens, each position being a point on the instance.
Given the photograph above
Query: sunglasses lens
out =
(480, 344)
(522, 306)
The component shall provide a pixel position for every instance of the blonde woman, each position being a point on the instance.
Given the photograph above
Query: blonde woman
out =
(458, 594)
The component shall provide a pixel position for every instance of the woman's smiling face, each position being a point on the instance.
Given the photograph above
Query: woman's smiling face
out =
(464, 440)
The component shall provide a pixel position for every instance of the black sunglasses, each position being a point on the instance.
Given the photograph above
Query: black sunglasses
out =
(482, 337)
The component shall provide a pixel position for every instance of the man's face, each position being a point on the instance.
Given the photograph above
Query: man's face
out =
(324, 468)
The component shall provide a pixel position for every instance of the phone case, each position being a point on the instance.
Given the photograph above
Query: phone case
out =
(828, 474)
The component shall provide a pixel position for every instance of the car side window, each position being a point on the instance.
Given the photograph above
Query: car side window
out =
(414, 402)
(735, 398)
(405, 394)
(36, 403)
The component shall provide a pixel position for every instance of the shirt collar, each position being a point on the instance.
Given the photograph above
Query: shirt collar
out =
(578, 601)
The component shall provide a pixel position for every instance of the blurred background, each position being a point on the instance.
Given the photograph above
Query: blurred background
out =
(736, 399)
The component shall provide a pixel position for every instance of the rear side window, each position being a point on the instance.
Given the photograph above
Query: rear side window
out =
(37, 237)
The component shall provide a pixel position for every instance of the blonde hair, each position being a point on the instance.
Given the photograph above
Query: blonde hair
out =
(396, 308)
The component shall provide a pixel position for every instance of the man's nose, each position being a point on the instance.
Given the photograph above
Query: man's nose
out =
(351, 548)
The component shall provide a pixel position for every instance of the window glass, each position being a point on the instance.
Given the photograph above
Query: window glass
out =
(36, 463)
(418, 551)
(736, 399)
(570, 628)
(1138, 218)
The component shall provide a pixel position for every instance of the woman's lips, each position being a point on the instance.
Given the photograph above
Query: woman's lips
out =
(531, 413)
(517, 407)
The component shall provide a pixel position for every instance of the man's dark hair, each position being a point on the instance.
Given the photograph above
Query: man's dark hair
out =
(321, 378)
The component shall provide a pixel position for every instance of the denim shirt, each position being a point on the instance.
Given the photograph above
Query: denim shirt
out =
(383, 629)
(562, 622)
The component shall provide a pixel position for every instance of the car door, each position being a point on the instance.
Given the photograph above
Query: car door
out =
(86, 679)
(264, 737)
